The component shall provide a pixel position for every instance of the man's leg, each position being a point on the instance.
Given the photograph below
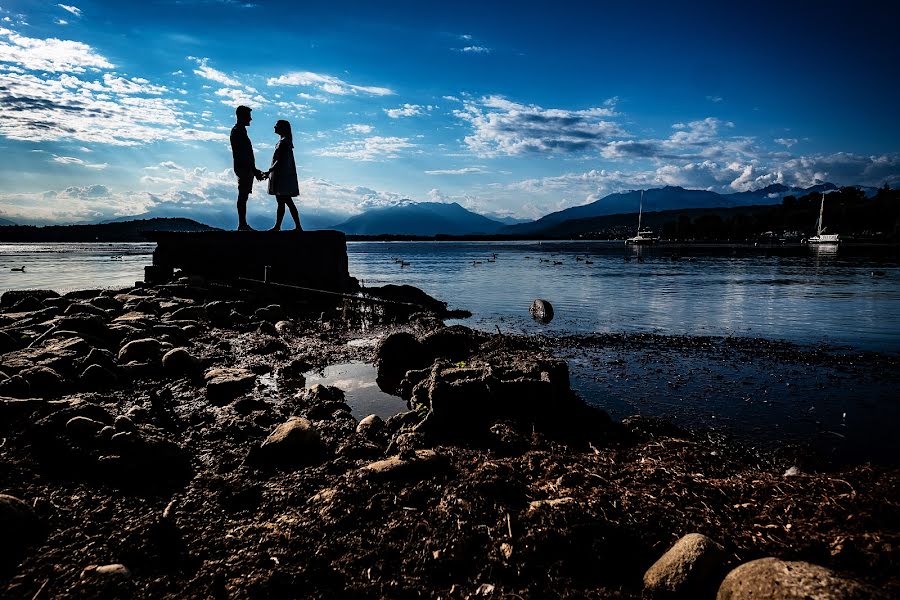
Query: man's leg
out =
(242, 210)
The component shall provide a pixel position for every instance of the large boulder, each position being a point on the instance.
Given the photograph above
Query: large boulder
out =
(776, 579)
(141, 350)
(13, 297)
(454, 343)
(399, 353)
(179, 361)
(692, 568)
(43, 382)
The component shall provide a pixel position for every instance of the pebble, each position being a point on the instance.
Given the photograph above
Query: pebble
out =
(83, 427)
(422, 464)
(139, 350)
(294, 441)
(226, 384)
(179, 360)
(369, 426)
(692, 568)
(113, 570)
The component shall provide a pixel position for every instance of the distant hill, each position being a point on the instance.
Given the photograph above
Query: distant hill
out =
(126, 231)
(660, 199)
(5, 222)
(227, 218)
(421, 218)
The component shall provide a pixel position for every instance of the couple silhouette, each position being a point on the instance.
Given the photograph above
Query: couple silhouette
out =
(282, 174)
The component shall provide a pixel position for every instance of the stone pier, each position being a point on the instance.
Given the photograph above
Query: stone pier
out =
(315, 259)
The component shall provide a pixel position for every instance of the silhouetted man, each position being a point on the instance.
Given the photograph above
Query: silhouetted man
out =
(244, 163)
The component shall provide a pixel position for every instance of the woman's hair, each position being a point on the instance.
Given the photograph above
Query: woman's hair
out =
(285, 128)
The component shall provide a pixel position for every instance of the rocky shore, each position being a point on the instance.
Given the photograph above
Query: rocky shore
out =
(161, 442)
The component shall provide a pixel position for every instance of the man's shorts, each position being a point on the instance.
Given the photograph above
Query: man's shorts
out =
(245, 185)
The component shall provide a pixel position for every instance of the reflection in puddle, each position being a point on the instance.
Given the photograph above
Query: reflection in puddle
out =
(357, 380)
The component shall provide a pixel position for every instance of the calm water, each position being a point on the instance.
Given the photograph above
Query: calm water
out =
(809, 295)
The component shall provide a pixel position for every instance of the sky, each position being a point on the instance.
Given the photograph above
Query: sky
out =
(511, 109)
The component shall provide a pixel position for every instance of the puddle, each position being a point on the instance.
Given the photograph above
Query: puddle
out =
(357, 380)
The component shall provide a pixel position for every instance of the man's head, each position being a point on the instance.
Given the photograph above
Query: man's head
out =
(243, 115)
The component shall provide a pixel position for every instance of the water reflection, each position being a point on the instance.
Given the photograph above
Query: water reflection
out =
(357, 380)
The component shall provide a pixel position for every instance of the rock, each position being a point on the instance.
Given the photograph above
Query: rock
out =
(541, 310)
(283, 327)
(269, 347)
(80, 308)
(692, 568)
(322, 393)
(106, 303)
(553, 503)
(226, 384)
(20, 527)
(114, 570)
(775, 579)
(124, 424)
(15, 387)
(8, 343)
(43, 382)
(422, 464)
(272, 313)
(792, 472)
(107, 433)
(97, 377)
(99, 356)
(293, 442)
(140, 350)
(189, 313)
(13, 297)
(83, 427)
(179, 360)
(454, 343)
(399, 353)
(327, 410)
(370, 426)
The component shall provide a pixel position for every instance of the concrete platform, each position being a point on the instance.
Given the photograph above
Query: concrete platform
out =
(315, 259)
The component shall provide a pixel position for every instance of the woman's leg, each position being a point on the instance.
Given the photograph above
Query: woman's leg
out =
(279, 214)
(294, 214)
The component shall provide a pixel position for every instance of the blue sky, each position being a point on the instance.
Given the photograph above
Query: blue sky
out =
(509, 108)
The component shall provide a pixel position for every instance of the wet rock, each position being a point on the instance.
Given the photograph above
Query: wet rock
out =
(453, 343)
(106, 303)
(692, 568)
(43, 382)
(322, 393)
(20, 527)
(83, 427)
(124, 424)
(399, 353)
(189, 313)
(140, 350)
(180, 360)
(106, 571)
(12, 297)
(272, 313)
(776, 579)
(420, 465)
(97, 377)
(80, 308)
(541, 310)
(370, 426)
(226, 384)
(295, 441)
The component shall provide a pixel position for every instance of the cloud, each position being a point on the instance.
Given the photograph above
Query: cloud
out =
(61, 22)
(474, 50)
(50, 54)
(462, 171)
(327, 84)
(71, 160)
(236, 97)
(369, 149)
(359, 128)
(715, 99)
(786, 142)
(207, 72)
(72, 9)
(503, 127)
(407, 110)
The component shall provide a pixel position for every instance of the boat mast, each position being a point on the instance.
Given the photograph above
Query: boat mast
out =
(640, 211)
(821, 212)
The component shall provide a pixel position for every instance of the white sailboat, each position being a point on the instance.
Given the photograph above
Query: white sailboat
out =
(821, 237)
(643, 237)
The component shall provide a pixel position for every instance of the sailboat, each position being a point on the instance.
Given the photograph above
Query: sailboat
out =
(643, 237)
(821, 237)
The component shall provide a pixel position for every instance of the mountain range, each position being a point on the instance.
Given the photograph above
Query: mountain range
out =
(420, 218)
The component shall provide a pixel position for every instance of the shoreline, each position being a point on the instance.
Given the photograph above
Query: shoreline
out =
(175, 473)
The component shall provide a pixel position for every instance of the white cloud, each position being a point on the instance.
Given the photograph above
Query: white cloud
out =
(359, 128)
(369, 149)
(61, 22)
(207, 72)
(474, 50)
(786, 142)
(462, 171)
(72, 9)
(71, 160)
(408, 110)
(503, 127)
(50, 54)
(715, 99)
(327, 84)
(236, 97)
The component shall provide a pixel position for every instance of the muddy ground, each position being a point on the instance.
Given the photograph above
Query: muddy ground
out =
(549, 501)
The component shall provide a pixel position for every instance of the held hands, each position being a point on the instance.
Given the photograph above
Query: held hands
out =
(260, 175)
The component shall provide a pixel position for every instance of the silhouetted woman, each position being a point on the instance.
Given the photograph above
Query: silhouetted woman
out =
(283, 175)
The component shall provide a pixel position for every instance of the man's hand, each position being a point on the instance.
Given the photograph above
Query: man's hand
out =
(259, 175)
